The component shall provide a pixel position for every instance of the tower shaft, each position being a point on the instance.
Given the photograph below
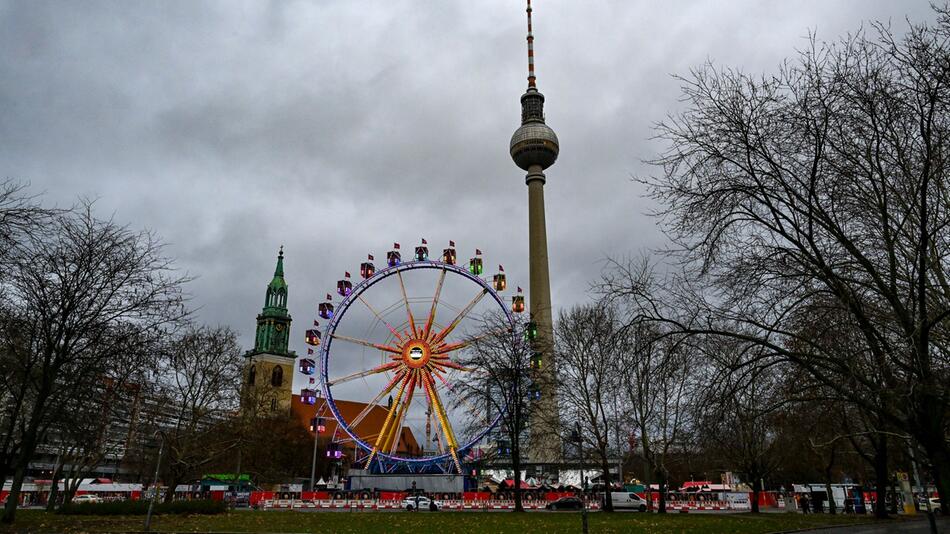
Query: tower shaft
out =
(544, 444)
(534, 147)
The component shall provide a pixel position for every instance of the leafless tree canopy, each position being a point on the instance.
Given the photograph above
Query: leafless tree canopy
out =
(200, 381)
(813, 204)
(84, 297)
(503, 379)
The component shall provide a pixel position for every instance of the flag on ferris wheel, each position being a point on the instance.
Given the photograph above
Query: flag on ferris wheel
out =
(500, 268)
(316, 323)
(311, 380)
(329, 296)
(309, 351)
(346, 274)
(519, 289)
(396, 246)
(369, 257)
(478, 252)
(451, 243)
(424, 242)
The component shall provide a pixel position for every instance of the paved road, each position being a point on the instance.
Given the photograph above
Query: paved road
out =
(897, 527)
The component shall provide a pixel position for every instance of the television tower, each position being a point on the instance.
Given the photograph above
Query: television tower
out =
(534, 147)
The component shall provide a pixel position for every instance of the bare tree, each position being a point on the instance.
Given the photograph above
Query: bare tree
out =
(660, 384)
(501, 359)
(824, 183)
(590, 343)
(202, 381)
(21, 218)
(80, 294)
(740, 414)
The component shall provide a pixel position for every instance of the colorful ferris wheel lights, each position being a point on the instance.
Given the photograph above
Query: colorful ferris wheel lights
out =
(422, 253)
(308, 397)
(393, 258)
(475, 266)
(344, 288)
(367, 270)
(448, 256)
(499, 282)
(313, 339)
(307, 366)
(417, 357)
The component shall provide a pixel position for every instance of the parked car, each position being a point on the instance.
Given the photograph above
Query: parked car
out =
(935, 505)
(86, 497)
(628, 501)
(421, 503)
(566, 503)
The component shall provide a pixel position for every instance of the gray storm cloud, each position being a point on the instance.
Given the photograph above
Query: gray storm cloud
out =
(337, 128)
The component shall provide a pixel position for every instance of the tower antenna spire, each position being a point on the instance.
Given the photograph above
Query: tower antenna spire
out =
(531, 77)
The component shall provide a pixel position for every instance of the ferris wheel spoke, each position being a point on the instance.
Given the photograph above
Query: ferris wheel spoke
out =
(458, 318)
(405, 299)
(389, 418)
(370, 344)
(375, 370)
(435, 304)
(445, 348)
(403, 406)
(441, 364)
(440, 414)
(395, 433)
(380, 318)
(449, 435)
(369, 407)
(468, 405)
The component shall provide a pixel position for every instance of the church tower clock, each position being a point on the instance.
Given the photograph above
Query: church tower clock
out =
(269, 371)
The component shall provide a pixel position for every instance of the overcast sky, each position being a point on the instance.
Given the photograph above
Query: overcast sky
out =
(338, 127)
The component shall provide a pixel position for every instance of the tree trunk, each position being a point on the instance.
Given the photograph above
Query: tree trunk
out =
(832, 506)
(170, 491)
(880, 477)
(756, 489)
(54, 488)
(13, 498)
(608, 502)
(516, 477)
(939, 456)
(27, 448)
(661, 479)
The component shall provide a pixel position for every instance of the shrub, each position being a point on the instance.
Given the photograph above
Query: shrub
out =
(204, 507)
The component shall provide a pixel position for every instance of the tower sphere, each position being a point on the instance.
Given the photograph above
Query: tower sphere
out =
(534, 143)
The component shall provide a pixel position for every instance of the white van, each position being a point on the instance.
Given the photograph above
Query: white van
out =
(628, 501)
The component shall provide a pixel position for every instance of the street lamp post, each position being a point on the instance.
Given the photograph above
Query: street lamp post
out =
(576, 434)
(313, 464)
(151, 504)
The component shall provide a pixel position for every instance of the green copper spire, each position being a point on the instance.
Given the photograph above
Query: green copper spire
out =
(273, 324)
(279, 271)
(276, 299)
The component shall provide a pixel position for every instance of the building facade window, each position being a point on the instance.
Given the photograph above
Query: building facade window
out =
(277, 377)
(252, 375)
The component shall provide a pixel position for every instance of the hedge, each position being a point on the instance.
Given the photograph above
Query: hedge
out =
(204, 507)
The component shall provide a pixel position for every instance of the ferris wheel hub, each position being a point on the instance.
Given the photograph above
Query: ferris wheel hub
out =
(416, 353)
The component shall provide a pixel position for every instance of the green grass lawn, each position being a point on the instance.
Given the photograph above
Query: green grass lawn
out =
(433, 523)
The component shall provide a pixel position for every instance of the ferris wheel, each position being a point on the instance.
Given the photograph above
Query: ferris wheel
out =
(391, 349)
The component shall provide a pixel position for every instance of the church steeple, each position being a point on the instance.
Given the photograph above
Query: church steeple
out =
(276, 299)
(273, 323)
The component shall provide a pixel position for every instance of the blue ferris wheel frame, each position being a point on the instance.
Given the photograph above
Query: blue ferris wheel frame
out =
(338, 316)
